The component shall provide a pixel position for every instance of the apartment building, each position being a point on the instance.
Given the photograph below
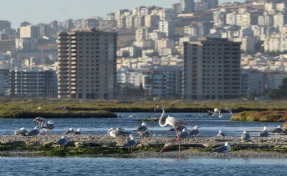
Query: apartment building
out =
(87, 64)
(33, 83)
(211, 69)
(4, 82)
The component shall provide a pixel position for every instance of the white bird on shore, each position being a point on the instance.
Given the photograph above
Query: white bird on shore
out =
(172, 122)
(264, 133)
(78, 131)
(223, 149)
(62, 141)
(70, 131)
(184, 134)
(194, 132)
(21, 132)
(33, 132)
(141, 128)
(130, 143)
(117, 132)
(278, 130)
(245, 136)
(220, 133)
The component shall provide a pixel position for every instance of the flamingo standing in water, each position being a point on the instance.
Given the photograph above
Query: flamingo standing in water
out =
(170, 121)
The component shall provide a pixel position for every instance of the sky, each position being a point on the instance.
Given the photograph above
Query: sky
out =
(45, 11)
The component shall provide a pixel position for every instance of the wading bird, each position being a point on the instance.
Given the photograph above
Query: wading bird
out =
(170, 121)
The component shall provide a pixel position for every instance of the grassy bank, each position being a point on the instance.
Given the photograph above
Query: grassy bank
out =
(261, 116)
(104, 108)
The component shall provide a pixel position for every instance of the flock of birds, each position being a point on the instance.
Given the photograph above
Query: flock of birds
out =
(45, 125)
(178, 126)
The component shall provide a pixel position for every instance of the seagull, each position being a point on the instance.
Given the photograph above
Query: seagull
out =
(220, 133)
(21, 132)
(49, 126)
(194, 132)
(278, 130)
(62, 141)
(71, 130)
(78, 131)
(131, 143)
(223, 149)
(245, 136)
(184, 134)
(146, 133)
(264, 133)
(118, 132)
(141, 128)
(33, 132)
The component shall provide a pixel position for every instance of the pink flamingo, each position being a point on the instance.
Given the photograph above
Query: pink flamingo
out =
(170, 121)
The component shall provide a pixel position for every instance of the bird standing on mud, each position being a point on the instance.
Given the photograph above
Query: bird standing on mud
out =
(170, 121)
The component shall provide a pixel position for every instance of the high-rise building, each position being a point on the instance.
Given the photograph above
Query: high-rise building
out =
(187, 6)
(87, 64)
(211, 69)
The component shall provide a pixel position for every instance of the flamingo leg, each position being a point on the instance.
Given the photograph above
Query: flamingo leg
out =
(178, 140)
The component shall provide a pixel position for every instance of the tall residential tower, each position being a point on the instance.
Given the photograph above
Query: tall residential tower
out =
(87, 64)
(211, 69)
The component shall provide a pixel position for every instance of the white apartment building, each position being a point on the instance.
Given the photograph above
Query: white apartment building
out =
(167, 27)
(141, 34)
(231, 18)
(151, 21)
(279, 19)
(29, 32)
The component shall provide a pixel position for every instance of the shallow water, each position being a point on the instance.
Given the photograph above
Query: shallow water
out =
(140, 166)
(209, 125)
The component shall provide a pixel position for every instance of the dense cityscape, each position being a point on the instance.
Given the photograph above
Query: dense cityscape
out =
(196, 49)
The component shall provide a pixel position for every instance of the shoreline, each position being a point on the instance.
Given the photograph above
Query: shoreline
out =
(185, 154)
(106, 146)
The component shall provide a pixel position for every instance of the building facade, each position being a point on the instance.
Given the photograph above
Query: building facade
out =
(87, 64)
(211, 69)
(33, 83)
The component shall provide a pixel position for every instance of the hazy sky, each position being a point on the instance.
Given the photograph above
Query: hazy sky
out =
(36, 11)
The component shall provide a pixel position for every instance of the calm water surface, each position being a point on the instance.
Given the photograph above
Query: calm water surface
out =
(139, 166)
(209, 125)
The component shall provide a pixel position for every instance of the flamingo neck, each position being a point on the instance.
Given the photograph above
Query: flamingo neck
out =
(160, 119)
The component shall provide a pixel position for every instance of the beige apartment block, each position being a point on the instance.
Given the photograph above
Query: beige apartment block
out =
(87, 64)
(211, 69)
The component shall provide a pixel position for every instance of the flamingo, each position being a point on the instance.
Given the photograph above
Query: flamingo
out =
(170, 121)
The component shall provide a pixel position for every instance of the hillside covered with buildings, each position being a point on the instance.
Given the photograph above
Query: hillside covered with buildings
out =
(195, 50)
